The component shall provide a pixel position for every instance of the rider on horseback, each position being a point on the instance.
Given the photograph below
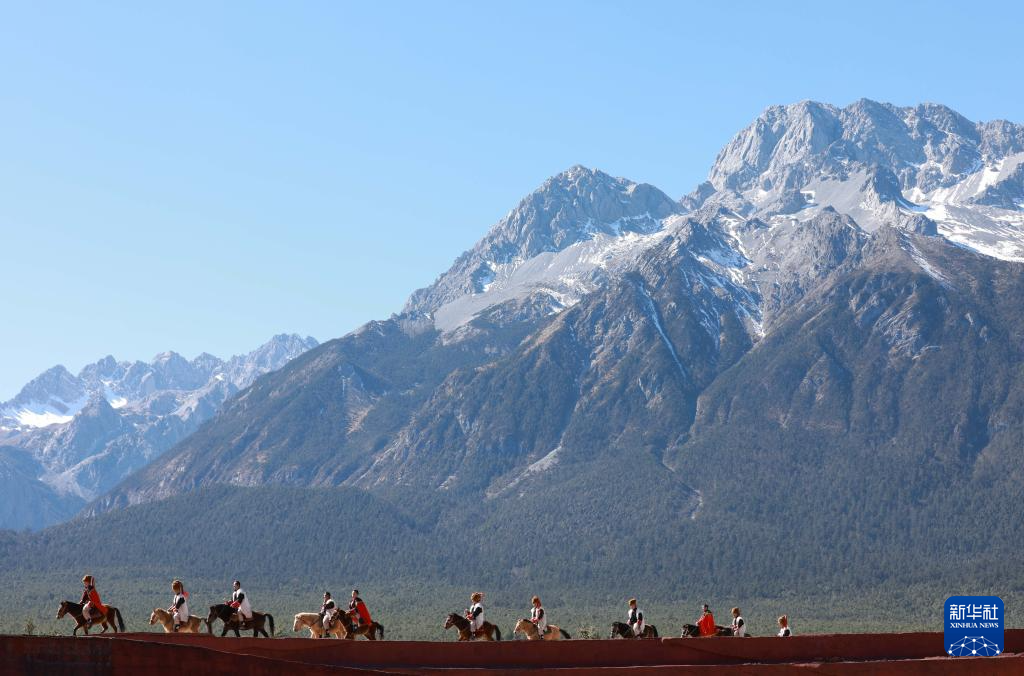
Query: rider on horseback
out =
(327, 612)
(240, 602)
(538, 617)
(358, 611)
(706, 622)
(739, 628)
(475, 613)
(635, 618)
(91, 605)
(179, 605)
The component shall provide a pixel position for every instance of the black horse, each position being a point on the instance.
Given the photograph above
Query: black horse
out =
(226, 614)
(623, 630)
(692, 630)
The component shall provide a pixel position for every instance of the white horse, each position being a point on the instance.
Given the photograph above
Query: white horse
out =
(554, 633)
(312, 622)
(165, 618)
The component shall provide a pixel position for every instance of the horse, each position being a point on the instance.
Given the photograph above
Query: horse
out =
(623, 630)
(165, 618)
(462, 624)
(525, 626)
(75, 610)
(352, 630)
(315, 625)
(226, 614)
(692, 630)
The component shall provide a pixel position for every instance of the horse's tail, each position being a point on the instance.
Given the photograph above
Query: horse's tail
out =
(497, 632)
(120, 620)
(380, 630)
(565, 634)
(270, 618)
(654, 630)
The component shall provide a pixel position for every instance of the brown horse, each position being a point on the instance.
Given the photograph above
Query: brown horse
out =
(692, 630)
(226, 614)
(625, 631)
(525, 626)
(353, 630)
(486, 632)
(75, 610)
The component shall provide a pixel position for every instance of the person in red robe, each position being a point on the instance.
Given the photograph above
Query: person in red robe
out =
(91, 604)
(358, 611)
(706, 623)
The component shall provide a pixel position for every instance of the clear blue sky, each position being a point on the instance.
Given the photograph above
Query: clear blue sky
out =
(202, 176)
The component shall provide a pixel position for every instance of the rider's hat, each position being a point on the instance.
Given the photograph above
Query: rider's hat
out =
(535, 599)
(632, 602)
(88, 579)
(476, 597)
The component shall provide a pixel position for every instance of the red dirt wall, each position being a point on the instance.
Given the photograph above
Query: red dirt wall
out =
(604, 653)
(851, 654)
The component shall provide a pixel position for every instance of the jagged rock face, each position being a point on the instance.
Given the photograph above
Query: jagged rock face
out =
(86, 433)
(570, 208)
(926, 169)
(927, 147)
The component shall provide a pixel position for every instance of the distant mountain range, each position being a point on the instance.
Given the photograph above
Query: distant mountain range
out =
(65, 439)
(803, 373)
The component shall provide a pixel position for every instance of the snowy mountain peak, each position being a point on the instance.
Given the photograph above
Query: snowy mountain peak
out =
(573, 208)
(86, 433)
(924, 168)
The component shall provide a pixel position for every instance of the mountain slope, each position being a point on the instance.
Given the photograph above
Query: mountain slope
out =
(86, 433)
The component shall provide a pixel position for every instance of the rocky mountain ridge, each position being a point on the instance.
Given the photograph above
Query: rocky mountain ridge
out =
(79, 435)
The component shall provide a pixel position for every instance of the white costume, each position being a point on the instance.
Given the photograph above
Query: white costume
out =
(739, 627)
(784, 632)
(244, 608)
(636, 620)
(540, 619)
(180, 611)
(476, 615)
(330, 610)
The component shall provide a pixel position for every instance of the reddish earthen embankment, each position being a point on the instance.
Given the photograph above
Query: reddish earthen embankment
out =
(842, 654)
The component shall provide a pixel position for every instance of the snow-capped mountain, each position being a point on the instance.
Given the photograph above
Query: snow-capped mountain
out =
(924, 169)
(879, 164)
(82, 434)
(807, 192)
(552, 249)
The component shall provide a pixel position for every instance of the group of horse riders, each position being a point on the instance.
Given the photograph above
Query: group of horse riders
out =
(704, 626)
(358, 613)
(93, 610)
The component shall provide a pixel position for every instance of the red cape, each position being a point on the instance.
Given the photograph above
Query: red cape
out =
(707, 625)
